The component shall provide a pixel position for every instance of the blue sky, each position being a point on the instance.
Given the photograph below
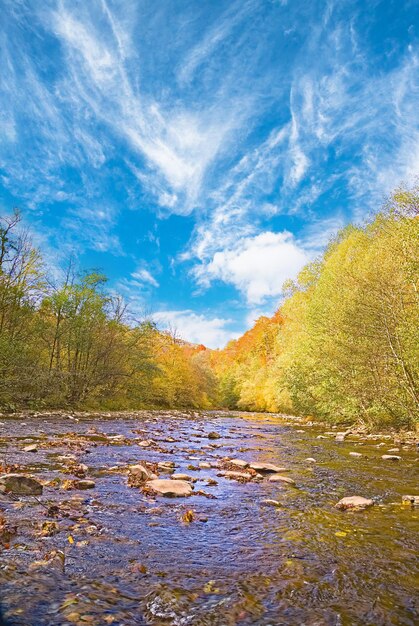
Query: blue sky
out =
(200, 152)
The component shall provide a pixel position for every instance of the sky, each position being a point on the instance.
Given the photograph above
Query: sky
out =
(200, 152)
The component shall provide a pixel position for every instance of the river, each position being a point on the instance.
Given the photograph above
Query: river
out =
(114, 554)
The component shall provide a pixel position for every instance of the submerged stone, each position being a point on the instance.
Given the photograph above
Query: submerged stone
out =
(20, 484)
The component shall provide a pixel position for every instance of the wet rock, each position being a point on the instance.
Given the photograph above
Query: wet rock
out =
(357, 454)
(410, 500)
(139, 472)
(20, 485)
(213, 435)
(267, 467)
(391, 457)
(183, 477)
(166, 467)
(84, 484)
(354, 502)
(31, 448)
(277, 478)
(235, 475)
(311, 460)
(269, 502)
(204, 465)
(170, 488)
(392, 450)
(146, 443)
(321, 437)
(239, 463)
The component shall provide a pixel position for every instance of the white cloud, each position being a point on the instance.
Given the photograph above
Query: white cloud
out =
(257, 266)
(144, 276)
(212, 332)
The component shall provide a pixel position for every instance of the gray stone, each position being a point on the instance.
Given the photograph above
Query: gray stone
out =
(84, 484)
(354, 502)
(235, 475)
(269, 502)
(140, 472)
(239, 463)
(170, 488)
(277, 478)
(20, 485)
(267, 467)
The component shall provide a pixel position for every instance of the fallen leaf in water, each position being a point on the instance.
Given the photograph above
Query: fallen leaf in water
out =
(188, 517)
(70, 539)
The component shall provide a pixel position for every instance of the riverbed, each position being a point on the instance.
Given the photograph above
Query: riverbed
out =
(118, 554)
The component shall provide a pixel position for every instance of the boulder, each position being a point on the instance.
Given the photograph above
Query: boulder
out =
(267, 467)
(277, 478)
(170, 488)
(391, 457)
(354, 503)
(20, 485)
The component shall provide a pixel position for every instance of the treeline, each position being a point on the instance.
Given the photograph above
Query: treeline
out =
(69, 343)
(344, 345)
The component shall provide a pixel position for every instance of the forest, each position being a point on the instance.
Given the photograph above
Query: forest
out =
(342, 346)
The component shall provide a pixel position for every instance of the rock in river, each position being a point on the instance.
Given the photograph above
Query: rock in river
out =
(140, 472)
(239, 462)
(213, 435)
(170, 488)
(235, 475)
(277, 478)
(391, 457)
(20, 485)
(269, 502)
(354, 502)
(412, 500)
(267, 467)
(30, 448)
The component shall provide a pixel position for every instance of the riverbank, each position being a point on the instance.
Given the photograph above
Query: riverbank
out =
(259, 540)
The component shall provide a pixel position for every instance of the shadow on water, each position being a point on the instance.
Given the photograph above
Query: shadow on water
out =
(115, 555)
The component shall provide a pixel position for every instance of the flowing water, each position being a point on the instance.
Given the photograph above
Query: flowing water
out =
(121, 556)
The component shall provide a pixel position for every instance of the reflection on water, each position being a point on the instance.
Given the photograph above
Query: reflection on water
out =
(118, 556)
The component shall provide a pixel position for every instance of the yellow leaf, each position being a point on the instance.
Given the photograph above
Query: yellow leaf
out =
(70, 539)
(340, 533)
